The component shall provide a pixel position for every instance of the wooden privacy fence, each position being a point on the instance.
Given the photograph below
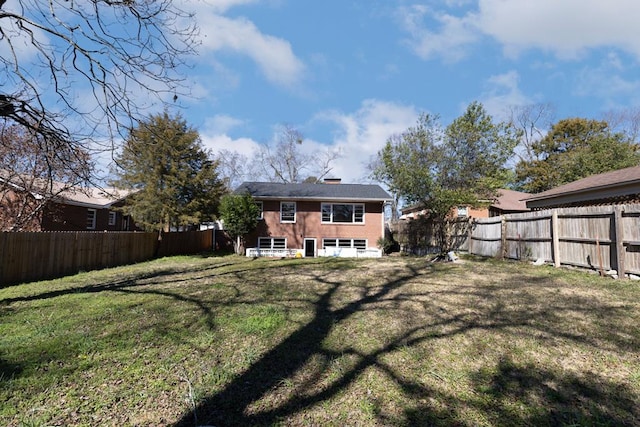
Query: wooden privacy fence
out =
(602, 238)
(29, 256)
(420, 236)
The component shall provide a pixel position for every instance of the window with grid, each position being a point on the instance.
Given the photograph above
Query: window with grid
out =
(112, 218)
(342, 213)
(344, 243)
(287, 211)
(272, 243)
(91, 219)
(261, 207)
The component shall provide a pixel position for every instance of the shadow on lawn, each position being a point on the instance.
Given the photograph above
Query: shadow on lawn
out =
(556, 399)
(515, 395)
(503, 394)
(229, 406)
(8, 370)
(568, 399)
(134, 280)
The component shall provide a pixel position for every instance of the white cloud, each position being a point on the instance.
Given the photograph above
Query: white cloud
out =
(606, 81)
(363, 133)
(450, 41)
(567, 28)
(358, 136)
(273, 55)
(221, 124)
(218, 142)
(17, 47)
(503, 92)
(224, 5)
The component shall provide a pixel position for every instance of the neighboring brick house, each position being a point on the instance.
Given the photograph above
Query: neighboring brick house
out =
(88, 210)
(508, 201)
(328, 219)
(71, 209)
(620, 186)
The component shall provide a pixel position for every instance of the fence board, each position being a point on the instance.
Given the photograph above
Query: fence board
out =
(595, 237)
(29, 256)
(588, 237)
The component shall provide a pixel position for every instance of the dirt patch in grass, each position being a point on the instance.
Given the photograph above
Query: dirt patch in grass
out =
(395, 341)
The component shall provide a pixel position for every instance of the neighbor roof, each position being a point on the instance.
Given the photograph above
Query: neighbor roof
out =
(608, 185)
(511, 200)
(351, 192)
(92, 197)
(77, 195)
(506, 200)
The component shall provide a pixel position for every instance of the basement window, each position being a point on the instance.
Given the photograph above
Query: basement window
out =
(344, 243)
(272, 243)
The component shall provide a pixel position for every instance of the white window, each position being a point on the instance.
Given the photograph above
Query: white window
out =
(287, 211)
(344, 243)
(462, 211)
(261, 207)
(112, 218)
(91, 219)
(272, 243)
(342, 213)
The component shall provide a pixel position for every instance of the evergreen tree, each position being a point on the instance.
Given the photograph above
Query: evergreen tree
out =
(175, 181)
(240, 214)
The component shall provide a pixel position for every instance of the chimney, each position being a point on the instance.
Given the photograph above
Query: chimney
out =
(332, 180)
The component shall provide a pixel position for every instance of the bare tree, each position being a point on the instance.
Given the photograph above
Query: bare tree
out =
(626, 121)
(533, 120)
(284, 161)
(231, 168)
(77, 70)
(33, 174)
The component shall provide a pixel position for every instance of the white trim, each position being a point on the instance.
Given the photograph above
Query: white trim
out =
(261, 204)
(353, 213)
(277, 253)
(271, 242)
(315, 246)
(295, 212)
(91, 219)
(351, 242)
(112, 218)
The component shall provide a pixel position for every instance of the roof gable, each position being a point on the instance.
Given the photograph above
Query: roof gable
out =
(306, 191)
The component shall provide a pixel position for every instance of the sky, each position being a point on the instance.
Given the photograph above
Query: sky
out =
(348, 74)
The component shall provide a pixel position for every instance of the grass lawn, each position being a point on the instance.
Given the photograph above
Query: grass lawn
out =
(187, 341)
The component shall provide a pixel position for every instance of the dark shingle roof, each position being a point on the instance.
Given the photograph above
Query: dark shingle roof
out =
(346, 192)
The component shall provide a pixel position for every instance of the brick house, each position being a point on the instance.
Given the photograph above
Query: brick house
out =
(88, 210)
(328, 219)
(506, 202)
(69, 209)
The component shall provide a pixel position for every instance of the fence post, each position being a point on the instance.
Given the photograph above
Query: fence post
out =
(470, 236)
(619, 240)
(555, 238)
(503, 237)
